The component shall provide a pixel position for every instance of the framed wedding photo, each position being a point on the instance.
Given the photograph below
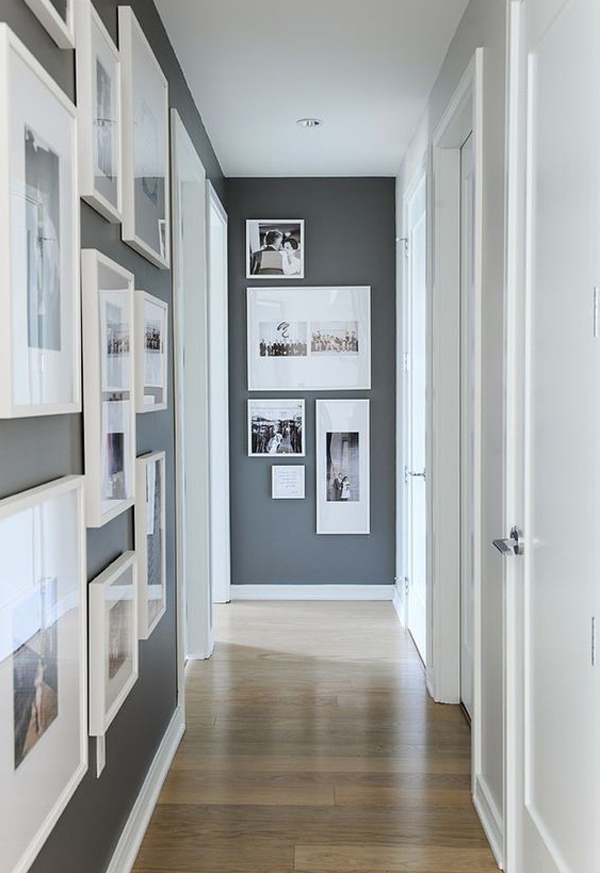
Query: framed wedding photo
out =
(145, 106)
(150, 541)
(275, 249)
(40, 342)
(151, 330)
(109, 374)
(57, 17)
(276, 427)
(98, 67)
(43, 663)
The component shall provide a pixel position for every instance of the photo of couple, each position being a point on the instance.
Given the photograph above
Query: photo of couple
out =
(275, 249)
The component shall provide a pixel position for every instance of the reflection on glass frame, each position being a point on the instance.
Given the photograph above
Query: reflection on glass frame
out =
(108, 368)
(275, 248)
(151, 330)
(43, 663)
(150, 541)
(40, 341)
(276, 427)
(99, 108)
(145, 101)
(57, 17)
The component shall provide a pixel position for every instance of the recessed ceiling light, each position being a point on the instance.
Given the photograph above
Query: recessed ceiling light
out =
(309, 122)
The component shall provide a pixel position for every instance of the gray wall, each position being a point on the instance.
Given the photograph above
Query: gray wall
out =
(349, 241)
(37, 450)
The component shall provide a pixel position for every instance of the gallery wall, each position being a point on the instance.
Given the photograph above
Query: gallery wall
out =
(38, 450)
(350, 240)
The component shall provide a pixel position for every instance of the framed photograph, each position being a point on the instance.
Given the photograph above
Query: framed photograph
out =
(43, 663)
(275, 248)
(99, 107)
(276, 427)
(287, 483)
(343, 467)
(109, 374)
(311, 339)
(40, 342)
(57, 17)
(150, 541)
(145, 101)
(151, 328)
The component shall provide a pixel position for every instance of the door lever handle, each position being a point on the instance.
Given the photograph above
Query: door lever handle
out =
(512, 545)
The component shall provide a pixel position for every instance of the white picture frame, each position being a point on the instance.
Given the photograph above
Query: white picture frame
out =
(152, 352)
(60, 27)
(275, 248)
(43, 663)
(98, 71)
(343, 467)
(109, 377)
(40, 334)
(276, 428)
(150, 543)
(145, 108)
(288, 482)
(309, 338)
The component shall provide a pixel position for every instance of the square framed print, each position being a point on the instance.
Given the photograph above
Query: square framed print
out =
(99, 109)
(57, 17)
(40, 341)
(276, 427)
(145, 102)
(288, 482)
(312, 339)
(109, 374)
(151, 328)
(343, 467)
(275, 248)
(43, 663)
(150, 541)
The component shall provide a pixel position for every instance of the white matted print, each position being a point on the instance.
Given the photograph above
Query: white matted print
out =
(275, 248)
(150, 541)
(276, 427)
(43, 663)
(57, 17)
(314, 339)
(288, 483)
(343, 467)
(151, 329)
(39, 262)
(145, 100)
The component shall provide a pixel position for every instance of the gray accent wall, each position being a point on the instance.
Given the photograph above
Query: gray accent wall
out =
(350, 240)
(35, 451)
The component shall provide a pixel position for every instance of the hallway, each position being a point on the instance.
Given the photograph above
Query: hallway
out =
(313, 746)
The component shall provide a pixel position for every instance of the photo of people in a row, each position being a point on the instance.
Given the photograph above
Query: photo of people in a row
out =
(288, 339)
(334, 338)
(283, 340)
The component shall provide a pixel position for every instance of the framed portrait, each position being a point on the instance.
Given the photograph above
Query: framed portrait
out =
(145, 102)
(57, 17)
(109, 375)
(43, 663)
(150, 541)
(99, 108)
(312, 339)
(152, 327)
(276, 427)
(343, 467)
(40, 342)
(275, 248)
(288, 482)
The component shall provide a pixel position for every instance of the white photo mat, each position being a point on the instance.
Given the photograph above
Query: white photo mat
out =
(276, 428)
(152, 346)
(60, 26)
(288, 482)
(151, 541)
(287, 262)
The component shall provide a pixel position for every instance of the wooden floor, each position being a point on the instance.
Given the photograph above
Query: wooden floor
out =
(312, 746)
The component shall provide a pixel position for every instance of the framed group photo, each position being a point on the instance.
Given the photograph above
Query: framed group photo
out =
(152, 325)
(276, 427)
(275, 249)
(151, 541)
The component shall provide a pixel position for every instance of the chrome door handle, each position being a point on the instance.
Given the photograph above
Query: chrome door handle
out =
(512, 545)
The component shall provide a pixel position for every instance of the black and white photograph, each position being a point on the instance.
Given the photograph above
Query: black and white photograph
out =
(119, 635)
(283, 339)
(343, 471)
(117, 348)
(104, 122)
(334, 338)
(275, 249)
(275, 427)
(115, 448)
(154, 541)
(150, 540)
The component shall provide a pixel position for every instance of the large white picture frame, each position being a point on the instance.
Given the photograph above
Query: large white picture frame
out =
(109, 374)
(43, 663)
(145, 103)
(152, 348)
(275, 248)
(343, 467)
(57, 18)
(40, 341)
(309, 338)
(151, 541)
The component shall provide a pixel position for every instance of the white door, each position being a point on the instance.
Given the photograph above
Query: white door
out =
(553, 437)
(415, 320)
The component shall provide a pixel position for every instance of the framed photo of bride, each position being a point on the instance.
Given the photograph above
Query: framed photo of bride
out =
(275, 248)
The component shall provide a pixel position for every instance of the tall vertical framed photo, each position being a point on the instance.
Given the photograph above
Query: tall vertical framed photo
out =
(275, 248)
(57, 17)
(40, 342)
(151, 330)
(145, 102)
(109, 375)
(151, 541)
(43, 663)
(343, 467)
(98, 66)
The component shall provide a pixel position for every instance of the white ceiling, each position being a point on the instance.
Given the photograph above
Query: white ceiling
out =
(365, 67)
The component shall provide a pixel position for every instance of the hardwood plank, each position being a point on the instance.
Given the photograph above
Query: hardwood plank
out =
(390, 859)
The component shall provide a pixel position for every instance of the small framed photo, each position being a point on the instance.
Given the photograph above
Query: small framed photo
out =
(275, 248)
(145, 102)
(288, 482)
(57, 17)
(150, 541)
(98, 67)
(152, 327)
(276, 427)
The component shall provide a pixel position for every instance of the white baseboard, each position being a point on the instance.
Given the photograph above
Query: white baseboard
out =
(490, 818)
(312, 592)
(430, 681)
(132, 835)
(398, 603)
